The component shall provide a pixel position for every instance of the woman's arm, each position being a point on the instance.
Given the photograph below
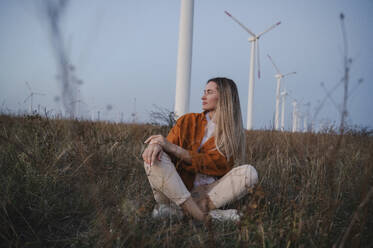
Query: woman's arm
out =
(170, 148)
(210, 162)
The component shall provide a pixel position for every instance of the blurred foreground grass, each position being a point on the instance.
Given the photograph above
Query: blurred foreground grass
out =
(82, 184)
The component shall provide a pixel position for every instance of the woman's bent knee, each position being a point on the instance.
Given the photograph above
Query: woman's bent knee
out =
(165, 161)
(251, 175)
(162, 169)
(248, 172)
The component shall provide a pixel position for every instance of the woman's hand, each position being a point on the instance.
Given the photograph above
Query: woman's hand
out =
(151, 153)
(158, 139)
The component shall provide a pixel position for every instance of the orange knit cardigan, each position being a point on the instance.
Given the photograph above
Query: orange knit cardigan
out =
(188, 133)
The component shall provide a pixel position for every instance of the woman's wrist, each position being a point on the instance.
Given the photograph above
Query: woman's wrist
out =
(169, 147)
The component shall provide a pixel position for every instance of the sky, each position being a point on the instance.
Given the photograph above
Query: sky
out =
(125, 53)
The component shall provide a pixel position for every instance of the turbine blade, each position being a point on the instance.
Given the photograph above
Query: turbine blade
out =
(355, 87)
(39, 93)
(329, 96)
(239, 23)
(26, 99)
(28, 86)
(290, 73)
(273, 63)
(270, 28)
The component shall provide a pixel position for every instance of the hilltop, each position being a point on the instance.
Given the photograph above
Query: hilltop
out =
(82, 184)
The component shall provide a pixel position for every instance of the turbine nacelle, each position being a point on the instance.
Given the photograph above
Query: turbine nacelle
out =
(279, 76)
(284, 93)
(253, 38)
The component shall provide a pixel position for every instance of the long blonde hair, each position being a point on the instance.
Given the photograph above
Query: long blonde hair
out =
(229, 131)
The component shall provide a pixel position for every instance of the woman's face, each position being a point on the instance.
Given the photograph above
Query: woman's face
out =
(210, 97)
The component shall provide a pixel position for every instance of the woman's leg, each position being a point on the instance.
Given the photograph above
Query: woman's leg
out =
(167, 184)
(232, 186)
(199, 195)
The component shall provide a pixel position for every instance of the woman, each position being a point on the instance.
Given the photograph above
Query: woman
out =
(193, 166)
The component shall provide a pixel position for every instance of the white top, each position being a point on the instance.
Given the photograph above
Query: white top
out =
(202, 179)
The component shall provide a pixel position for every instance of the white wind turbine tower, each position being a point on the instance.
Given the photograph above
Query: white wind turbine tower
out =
(305, 126)
(306, 117)
(255, 46)
(295, 116)
(78, 102)
(184, 58)
(279, 76)
(300, 119)
(283, 95)
(31, 97)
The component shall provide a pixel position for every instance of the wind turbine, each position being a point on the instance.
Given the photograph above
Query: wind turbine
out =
(31, 96)
(279, 76)
(255, 46)
(134, 113)
(79, 103)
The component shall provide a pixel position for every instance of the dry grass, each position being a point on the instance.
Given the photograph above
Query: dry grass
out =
(82, 184)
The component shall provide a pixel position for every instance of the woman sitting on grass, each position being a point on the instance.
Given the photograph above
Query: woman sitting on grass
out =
(194, 166)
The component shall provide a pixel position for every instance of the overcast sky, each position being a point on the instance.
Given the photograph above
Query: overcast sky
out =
(127, 49)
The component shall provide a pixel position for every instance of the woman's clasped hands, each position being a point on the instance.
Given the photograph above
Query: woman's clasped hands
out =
(156, 145)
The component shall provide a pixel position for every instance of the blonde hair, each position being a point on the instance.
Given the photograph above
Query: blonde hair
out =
(229, 131)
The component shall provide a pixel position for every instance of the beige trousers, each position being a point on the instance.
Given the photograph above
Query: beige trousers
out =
(167, 185)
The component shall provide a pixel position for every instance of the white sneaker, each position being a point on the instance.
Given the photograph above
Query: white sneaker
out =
(225, 215)
(162, 211)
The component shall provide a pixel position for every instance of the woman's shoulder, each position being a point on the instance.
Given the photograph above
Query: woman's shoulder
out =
(191, 117)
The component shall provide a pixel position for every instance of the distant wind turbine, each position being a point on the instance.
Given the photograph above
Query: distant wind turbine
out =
(31, 97)
(279, 76)
(79, 103)
(134, 113)
(254, 47)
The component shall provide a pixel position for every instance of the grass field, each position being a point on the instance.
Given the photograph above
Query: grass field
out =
(82, 184)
